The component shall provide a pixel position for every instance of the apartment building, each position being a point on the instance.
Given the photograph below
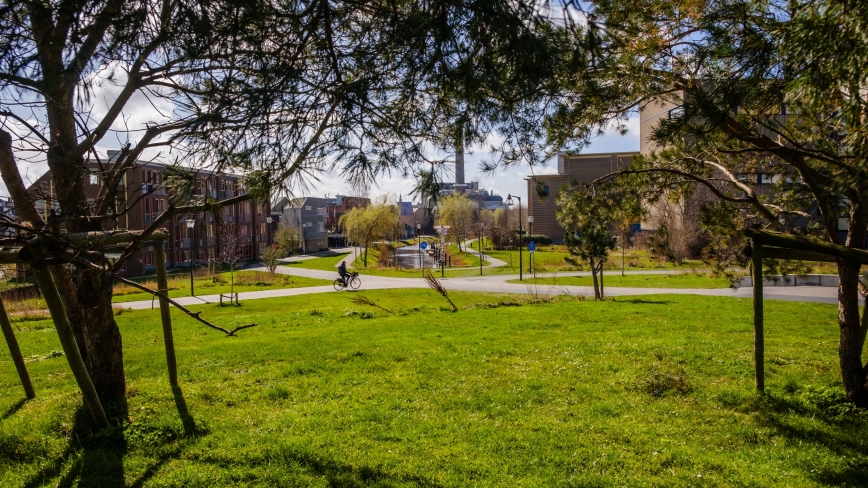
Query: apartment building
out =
(308, 215)
(543, 190)
(242, 228)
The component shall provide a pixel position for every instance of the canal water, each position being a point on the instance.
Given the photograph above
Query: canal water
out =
(408, 257)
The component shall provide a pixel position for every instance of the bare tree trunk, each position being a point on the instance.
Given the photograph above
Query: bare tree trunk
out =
(853, 371)
(105, 358)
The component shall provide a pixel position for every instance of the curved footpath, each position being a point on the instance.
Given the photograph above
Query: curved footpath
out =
(498, 284)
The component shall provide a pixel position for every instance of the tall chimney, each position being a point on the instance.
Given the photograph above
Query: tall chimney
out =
(459, 160)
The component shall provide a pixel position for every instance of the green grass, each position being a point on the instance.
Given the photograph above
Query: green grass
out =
(179, 285)
(614, 278)
(654, 391)
(326, 263)
(553, 260)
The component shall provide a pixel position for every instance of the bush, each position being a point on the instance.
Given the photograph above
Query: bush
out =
(538, 239)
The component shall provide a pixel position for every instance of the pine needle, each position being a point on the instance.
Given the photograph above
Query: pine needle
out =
(435, 284)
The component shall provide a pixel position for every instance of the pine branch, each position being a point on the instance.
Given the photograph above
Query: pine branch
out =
(363, 300)
(435, 284)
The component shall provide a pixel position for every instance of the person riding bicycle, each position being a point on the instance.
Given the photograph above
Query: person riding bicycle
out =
(342, 270)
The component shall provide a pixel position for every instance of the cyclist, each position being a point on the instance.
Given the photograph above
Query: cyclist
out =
(342, 270)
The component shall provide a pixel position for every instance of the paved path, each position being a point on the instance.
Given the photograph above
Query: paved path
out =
(498, 284)
(492, 262)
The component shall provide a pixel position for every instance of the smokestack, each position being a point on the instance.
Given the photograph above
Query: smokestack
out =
(459, 160)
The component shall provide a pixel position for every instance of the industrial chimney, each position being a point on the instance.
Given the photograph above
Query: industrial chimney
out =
(459, 161)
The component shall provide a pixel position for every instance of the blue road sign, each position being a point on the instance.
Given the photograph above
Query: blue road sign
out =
(531, 246)
(423, 246)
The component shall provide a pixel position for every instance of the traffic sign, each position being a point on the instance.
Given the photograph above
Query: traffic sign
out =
(531, 246)
(423, 246)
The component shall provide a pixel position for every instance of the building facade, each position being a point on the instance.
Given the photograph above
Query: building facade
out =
(142, 197)
(308, 216)
(543, 190)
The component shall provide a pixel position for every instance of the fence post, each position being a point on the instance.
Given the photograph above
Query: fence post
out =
(165, 315)
(15, 352)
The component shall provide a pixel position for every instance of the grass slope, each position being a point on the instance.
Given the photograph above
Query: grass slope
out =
(656, 391)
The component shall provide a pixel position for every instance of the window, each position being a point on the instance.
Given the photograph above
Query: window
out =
(94, 178)
(765, 179)
(307, 207)
(320, 226)
(320, 211)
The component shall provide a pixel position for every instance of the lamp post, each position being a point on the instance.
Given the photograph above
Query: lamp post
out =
(510, 203)
(481, 252)
(419, 245)
(269, 220)
(191, 227)
(530, 236)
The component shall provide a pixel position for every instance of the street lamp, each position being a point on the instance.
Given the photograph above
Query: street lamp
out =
(481, 252)
(419, 245)
(510, 203)
(191, 225)
(530, 236)
(269, 220)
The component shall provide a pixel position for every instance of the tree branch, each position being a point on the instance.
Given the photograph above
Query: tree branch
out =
(180, 307)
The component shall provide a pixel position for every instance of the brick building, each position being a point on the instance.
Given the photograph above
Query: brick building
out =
(143, 197)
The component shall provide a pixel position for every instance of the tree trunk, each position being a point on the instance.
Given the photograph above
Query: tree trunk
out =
(105, 358)
(594, 275)
(853, 371)
(602, 285)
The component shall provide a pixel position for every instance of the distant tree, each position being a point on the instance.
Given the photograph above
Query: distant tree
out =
(364, 225)
(456, 211)
(288, 239)
(589, 215)
(231, 252)
(271, 258)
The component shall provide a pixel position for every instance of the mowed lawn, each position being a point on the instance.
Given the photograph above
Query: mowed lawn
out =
(653, 391)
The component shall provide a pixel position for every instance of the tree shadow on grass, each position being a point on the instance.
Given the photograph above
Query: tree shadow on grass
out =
(187, 420)
(640, 301)
(96, 458)
(839, 435)
(15, 407)
(344, 475)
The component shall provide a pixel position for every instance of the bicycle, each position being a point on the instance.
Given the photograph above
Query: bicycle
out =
(353, 282)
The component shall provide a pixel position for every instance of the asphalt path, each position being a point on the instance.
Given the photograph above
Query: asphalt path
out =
(498, 284)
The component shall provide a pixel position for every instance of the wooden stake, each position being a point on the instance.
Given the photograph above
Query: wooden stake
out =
(758, 339)
(168, 339)
(67, 342)
(15, 352)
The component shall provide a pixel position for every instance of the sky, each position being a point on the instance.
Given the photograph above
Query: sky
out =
(140, 111)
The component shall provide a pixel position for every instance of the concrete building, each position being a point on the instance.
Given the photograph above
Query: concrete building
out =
(142, 197)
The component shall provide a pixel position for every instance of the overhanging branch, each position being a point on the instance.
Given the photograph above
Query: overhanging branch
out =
(180, 307)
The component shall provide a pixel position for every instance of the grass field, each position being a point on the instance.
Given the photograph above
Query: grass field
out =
(656, 391)
(326, 263)
(179, 285)
(614, 278)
